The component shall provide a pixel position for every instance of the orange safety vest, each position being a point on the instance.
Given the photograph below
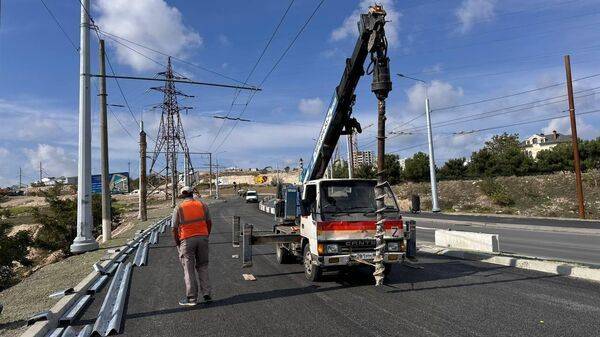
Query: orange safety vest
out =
(192, 219)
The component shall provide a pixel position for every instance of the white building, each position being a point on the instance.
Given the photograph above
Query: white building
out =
(539, 142)
(363, 158)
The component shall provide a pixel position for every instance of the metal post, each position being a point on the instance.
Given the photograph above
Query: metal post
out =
(40, 172)
(106, 216)
(84, 241)
(186, 178)
(143, 213)
(20, 178)
(576, 160)
(434, 197)
(174, 179)
(210, 189)
(217, 181)
(350, 157)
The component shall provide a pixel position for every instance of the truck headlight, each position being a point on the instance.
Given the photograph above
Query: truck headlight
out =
(393, 246)
(332, 248)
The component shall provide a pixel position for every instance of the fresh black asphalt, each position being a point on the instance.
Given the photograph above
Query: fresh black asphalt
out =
(447, 297)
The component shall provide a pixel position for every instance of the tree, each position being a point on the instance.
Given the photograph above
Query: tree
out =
(453, 169)
(365, 171)
(340, 169)
(417, 168)
(558, 158)
(501, 156)
(393, 169)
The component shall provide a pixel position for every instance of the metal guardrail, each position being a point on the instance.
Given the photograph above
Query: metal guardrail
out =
(86, 331)
(111, 312)
(141, 255)
(75, 310)
(97, 285)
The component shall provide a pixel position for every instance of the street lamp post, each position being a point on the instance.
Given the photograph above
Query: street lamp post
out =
(434, 196)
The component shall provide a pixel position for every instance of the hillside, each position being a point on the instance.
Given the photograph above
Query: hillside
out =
(550, 195)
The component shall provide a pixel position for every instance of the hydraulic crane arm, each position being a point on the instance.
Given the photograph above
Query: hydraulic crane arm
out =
(338, 120)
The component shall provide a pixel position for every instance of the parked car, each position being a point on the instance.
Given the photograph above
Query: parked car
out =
(251, 196)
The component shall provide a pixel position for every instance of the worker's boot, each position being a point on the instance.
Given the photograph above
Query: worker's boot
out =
(188, 302)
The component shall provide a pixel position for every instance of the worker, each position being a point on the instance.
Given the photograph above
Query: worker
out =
(191, 228)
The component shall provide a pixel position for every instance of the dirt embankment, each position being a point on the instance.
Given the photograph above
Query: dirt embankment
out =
(550, 195)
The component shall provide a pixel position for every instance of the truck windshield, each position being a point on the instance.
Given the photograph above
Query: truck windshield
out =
(339, 198)
(251, 194)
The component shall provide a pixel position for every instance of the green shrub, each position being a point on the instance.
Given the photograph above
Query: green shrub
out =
(59, 220)
(12, 249)
(496, 192)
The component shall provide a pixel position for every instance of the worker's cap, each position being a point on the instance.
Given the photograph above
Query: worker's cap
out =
(185, 190)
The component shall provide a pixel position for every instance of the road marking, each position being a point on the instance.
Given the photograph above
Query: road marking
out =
(249, 277)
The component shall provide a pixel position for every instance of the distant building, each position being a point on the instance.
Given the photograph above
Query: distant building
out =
(402, 162)
(539, 142)
(363, 158)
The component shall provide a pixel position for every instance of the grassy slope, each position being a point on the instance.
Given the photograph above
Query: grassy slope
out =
(550, 195)
(31, 294)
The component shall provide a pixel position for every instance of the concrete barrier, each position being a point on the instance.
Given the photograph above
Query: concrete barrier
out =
(481, 242)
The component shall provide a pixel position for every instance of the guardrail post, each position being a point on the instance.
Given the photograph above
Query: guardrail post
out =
(235, 231)
(247, 246)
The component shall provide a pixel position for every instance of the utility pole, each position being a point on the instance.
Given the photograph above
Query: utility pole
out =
(350, 156)
(143, 213)
(20, 178)
(434, 197)
(217, 181)
(106, 216)
(210, 189)
(574, 140)
(40, 172)
(174, 180)
(433, 180)
(84, 241)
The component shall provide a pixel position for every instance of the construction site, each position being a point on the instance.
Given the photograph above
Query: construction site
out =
(315, 168)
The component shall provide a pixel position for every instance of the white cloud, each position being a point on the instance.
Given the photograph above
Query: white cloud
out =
(4, 152)
(563, 126)
(152, 23)
(311, 106)
(472, 11)
(440, 94)
(349, 26)
(224, 40)
(55, 160)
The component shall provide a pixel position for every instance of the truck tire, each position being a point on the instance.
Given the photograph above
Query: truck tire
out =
(283, 255)
(312, 272)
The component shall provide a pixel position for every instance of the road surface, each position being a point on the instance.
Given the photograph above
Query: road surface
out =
(447, 297)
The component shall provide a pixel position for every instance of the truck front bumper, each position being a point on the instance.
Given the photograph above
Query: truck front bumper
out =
(354, 259)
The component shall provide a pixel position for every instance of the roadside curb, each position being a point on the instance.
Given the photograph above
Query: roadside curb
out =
(41, 328)
(517, 216)
(479, 224)
(590, 273)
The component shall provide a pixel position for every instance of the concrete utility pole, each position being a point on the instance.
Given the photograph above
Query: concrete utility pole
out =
(143, 213)
(433, 180)
(210, 189)
(40, 172)
(20, 178)
(350, 156)
(217, 181)
(574, 140)
(434, 197)
(174, 180)
(106, 216)
(84, 241)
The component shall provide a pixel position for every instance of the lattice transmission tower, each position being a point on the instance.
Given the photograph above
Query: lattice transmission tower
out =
(170, 140)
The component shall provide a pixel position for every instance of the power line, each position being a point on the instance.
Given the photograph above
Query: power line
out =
(510, 95)
(274, 67)
(59, 26)
(236, 95)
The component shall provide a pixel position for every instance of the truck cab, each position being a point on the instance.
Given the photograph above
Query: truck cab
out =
(338, 224)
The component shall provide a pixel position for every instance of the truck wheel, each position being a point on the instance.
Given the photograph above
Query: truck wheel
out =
(388, 269)
(312, 272)
(283, 255)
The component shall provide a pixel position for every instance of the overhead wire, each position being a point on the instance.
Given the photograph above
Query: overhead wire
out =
(291, 44)
(264, 50)
(62, 29)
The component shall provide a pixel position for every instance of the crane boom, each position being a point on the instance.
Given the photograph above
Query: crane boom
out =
(338, 119)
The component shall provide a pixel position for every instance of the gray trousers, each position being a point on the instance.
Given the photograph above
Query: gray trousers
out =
(193, 253)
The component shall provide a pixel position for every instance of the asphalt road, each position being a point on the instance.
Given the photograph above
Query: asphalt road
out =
(574, 247)
(564, 223)
(447, 297)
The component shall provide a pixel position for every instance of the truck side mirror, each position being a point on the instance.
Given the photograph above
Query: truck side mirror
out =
(305, 207)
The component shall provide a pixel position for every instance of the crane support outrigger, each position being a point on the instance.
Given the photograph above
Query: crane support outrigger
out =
(336, 223)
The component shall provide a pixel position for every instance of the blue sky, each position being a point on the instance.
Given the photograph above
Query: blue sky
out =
(467, 50)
